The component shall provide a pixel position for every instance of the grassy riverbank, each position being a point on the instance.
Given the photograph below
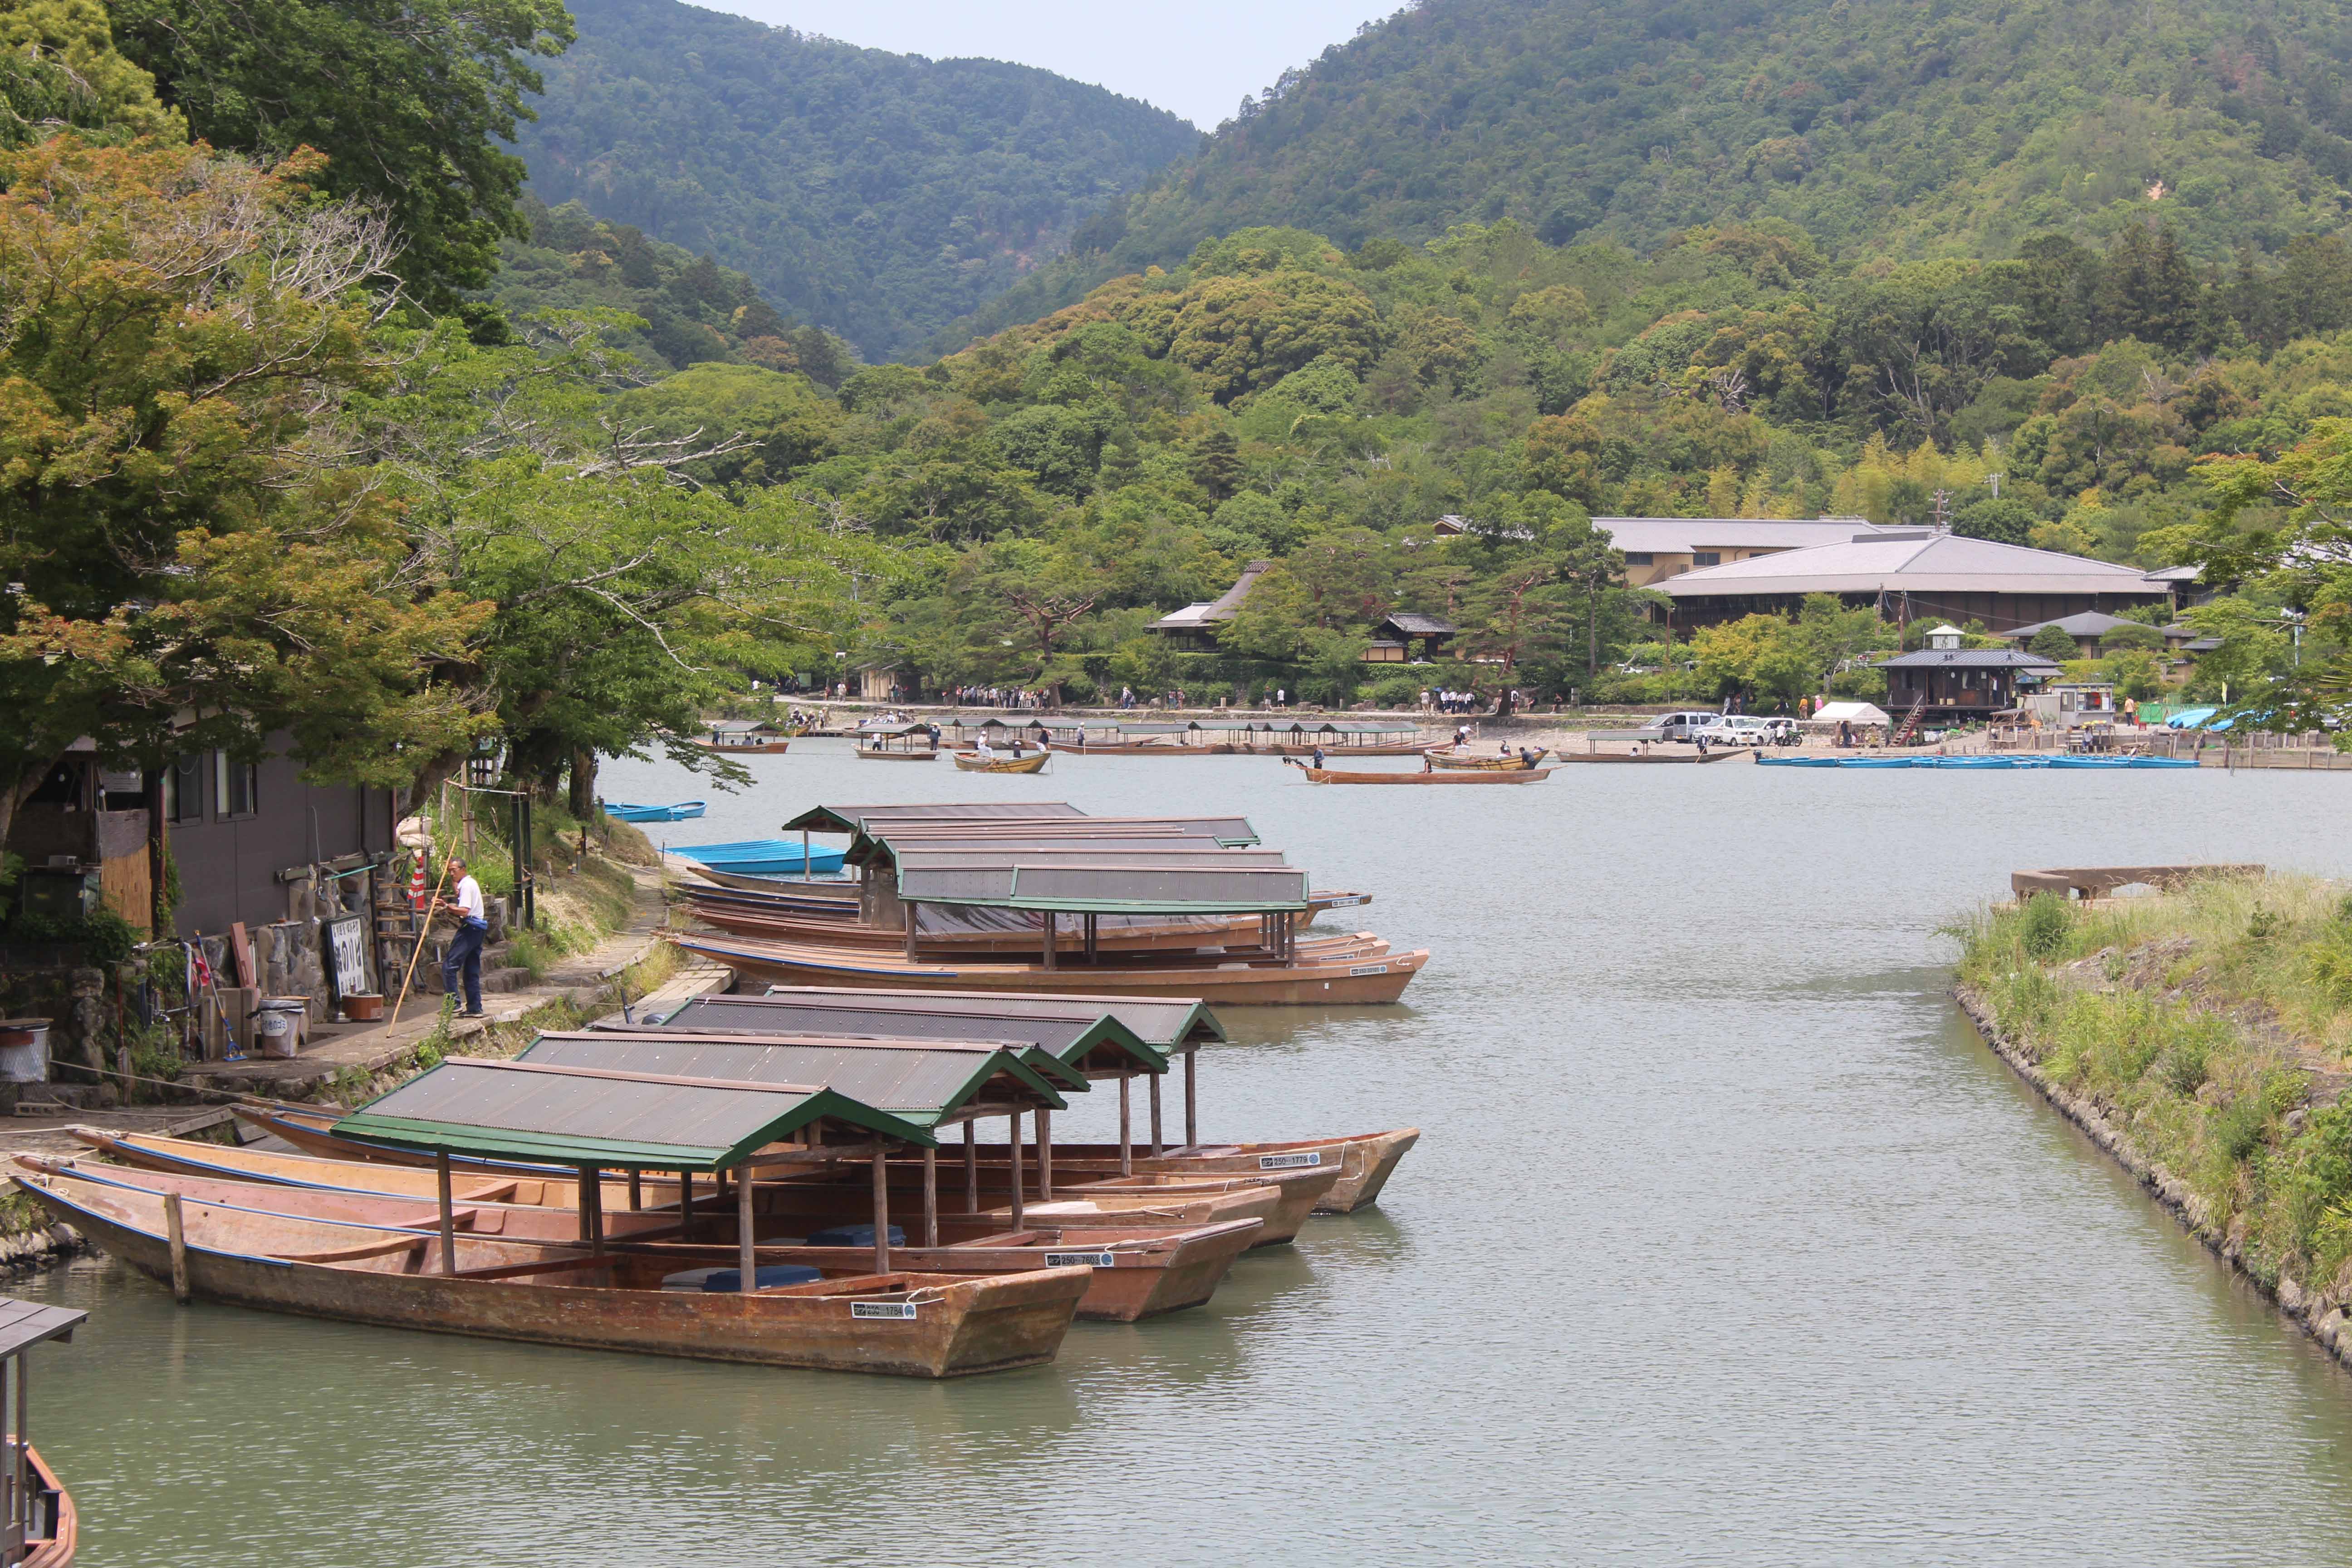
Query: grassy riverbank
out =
(2211, 1029)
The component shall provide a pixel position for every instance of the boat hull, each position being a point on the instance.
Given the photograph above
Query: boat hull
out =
(57, 1549)
(1034, 765)
(961, 1326)
(1485, 776)
(1365, 1163)
(1373, 981)
(871, 755)
(1490, 765)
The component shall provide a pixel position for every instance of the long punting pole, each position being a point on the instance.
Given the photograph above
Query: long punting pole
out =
(881, 1211)
(1044, 1155)
(746, 1259)
(970, 1172)
(1191, 1101)
(1156, 1145)
(1016, 1170)
(423, 930)
(1126, 1128)
(448, 1219)
(931, 1197)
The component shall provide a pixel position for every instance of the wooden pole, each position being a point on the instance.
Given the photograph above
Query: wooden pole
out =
(448, 1219)
(881, 1211)
(910, 933)
(1154, 1086)
(1051, 957)
(930, 1197)
(1016, 1170)
(1192, 1100)
(179, 1239)
(1093, 934)
(686, 1205)
(1044, 1155)
(423, 929)
(970, 1172)
(636, 1189)
(747, 1258)
(1125, 1127)
(591, 1208)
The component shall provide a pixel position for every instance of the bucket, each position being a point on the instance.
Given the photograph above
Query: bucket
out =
(278, 1026)
(363, 1006)
(24, 1050)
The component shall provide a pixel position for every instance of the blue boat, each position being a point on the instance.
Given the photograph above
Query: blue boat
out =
(2164, 762)
(760, 858)
(1876, 761)
(1796, 761)
(623, 811)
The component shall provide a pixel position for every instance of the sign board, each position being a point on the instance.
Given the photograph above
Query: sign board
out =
(347, 954)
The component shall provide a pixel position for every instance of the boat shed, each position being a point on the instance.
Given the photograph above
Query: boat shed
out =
(1960, 683)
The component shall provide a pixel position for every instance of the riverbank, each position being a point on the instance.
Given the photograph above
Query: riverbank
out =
(2203, 1039)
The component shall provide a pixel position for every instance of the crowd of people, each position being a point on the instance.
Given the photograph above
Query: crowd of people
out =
(1445, 702)
(1009, 697)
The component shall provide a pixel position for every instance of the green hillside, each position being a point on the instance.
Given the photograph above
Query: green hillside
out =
(880, 196)
(1896, 128)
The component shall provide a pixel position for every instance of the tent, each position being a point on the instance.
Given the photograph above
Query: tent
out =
(2195, 719)
(1861, 715)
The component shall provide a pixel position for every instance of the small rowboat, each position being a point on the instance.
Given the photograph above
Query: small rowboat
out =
(1492, 776)
(760, 857)
(1496, 764)
(684, 811)
(911, 1324)
(877, 754)
(974, 763)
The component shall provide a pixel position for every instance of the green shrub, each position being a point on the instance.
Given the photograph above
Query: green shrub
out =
(1397, 691)
(2262, 924)
(2048, 921)
(2237, 1129)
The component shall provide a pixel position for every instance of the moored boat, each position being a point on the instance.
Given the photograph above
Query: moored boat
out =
(1514, 762)
(974, 763)
(1432, 777)
(760, 857)
(909, 1324)
(683, 811)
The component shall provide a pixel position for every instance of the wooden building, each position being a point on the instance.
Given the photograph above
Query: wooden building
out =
(1945, 680)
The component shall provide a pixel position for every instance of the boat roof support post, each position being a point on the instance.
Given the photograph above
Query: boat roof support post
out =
(1044, 1155)
(1125, 1127)
(746, 1250)
(910, 933)
(1017, 1177)
(448, 1219)
(1156, 1144)
(931, 1194)
(591, 1208)
(1192, 1098)
(686, 1205)
(1051, 939)
(970, 1172)
(881, 1211)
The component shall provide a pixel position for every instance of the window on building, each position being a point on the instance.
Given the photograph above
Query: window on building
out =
(235, 786)
(1707, 557)
(183, 789)
(1638, 558)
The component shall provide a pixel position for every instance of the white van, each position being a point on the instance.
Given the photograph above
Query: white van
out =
(1682, 726)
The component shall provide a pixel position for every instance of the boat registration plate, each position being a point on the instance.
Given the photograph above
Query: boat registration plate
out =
(1078, 1260)
(1289, 1162)
(1370, 968)
(903, 1309)
(1348, 902)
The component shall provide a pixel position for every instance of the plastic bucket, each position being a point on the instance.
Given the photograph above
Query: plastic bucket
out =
(24, 1050)
(278, 1026)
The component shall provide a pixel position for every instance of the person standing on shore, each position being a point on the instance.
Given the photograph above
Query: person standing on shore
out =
(464, 956)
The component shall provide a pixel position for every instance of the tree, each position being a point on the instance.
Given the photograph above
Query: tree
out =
(1047, 589)
(2053, 643)
(60, 69)
(410, 99)
(182, 534)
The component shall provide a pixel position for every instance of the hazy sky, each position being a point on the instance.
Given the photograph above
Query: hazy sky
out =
(1197, 59)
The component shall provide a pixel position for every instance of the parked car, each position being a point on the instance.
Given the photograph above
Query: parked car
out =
(1736, 729)
(1783, 732)
(1683, 726)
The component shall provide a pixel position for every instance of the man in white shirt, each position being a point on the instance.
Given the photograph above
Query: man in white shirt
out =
(464, 952)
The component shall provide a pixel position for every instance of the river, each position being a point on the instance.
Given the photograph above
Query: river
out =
(1726, 1241)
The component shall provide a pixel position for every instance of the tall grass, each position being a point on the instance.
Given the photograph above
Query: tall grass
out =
(2191, 1018)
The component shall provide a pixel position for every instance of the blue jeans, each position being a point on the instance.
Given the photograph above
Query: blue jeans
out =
(465, 954)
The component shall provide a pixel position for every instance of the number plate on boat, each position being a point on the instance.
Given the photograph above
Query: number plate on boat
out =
(1348, 904)
(1370, 968)
(882, 1309)
(1289, 1162)
(1078, 1260)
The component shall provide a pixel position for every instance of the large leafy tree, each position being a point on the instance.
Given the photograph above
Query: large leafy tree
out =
(180, 534)
(410, 99)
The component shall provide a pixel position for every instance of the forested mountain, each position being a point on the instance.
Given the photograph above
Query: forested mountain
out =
(879, 194)
(1888, 128)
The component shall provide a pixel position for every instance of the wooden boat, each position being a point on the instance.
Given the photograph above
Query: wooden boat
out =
(974, 763)
(878, 755)
(1306, 749)
(1334, 776)
(803, 892)
(842, 929)
(1164, 1263)
(1487, 762)
(760, 857)
(1364, 1162)
(684, 811)
(1135, 748)
(1357, 976)
(905, 1323)
(58, 1525)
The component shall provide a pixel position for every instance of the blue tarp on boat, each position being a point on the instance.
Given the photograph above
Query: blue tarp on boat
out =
(2191, 719)
(759, 858)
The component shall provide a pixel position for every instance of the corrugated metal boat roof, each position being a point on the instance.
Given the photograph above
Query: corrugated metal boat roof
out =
(582, 1116)
(1166, 1023)
(849, 818)
(924, 1081)
(1122, 889)
(1078, 1036)
(27, 1323)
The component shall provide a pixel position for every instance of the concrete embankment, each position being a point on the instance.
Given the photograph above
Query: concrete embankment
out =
(2321, 1311)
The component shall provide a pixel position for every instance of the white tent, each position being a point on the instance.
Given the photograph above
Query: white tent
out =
(1859, 715)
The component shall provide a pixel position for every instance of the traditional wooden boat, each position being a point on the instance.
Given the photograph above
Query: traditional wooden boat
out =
(797, 892)
(1334, 776)
(842, 929)
(683, 811)
(1306, 749)
(1488, 762)
(1168, 1258)
(53, 1532)
(974, 763)
(878, 755)
(1362, 1163)
(1356, 975)
(907, 1323)
(745, 736)
(1135, 748)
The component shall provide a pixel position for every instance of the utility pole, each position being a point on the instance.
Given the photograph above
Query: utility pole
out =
(1994, 480)
(1943, 511)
